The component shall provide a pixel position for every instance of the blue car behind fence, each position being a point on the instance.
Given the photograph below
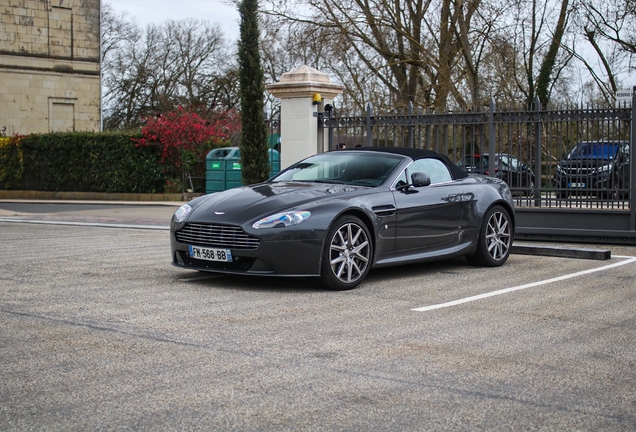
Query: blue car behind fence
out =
(591, 169)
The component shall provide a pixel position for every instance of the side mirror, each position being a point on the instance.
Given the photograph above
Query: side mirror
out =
(420, 179)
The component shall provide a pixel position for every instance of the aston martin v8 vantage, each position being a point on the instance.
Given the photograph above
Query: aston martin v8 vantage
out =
(337, 215)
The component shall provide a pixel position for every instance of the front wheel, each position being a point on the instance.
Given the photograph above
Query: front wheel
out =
(495, 238)
(347, 254)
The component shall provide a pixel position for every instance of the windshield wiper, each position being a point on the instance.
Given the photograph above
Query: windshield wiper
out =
(320, 181)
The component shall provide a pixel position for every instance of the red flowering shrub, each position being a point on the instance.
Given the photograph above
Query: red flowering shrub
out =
(182, 131)
(185, 137)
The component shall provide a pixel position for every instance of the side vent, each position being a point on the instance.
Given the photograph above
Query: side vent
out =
(384, 210)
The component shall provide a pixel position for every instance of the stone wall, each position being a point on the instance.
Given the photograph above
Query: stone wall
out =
(49, 66)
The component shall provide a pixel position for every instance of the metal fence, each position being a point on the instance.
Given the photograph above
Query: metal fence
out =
(568, 167)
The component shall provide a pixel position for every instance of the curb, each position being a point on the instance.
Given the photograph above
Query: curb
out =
(87, 224)
(562, 252)
(94, 196)
(94, 202)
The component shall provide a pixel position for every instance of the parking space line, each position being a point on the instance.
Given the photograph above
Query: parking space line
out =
(202, 277)
(628, 260)
(84, 224)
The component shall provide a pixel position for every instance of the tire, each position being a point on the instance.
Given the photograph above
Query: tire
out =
(616, 190)
(347, 254)
(495, 239)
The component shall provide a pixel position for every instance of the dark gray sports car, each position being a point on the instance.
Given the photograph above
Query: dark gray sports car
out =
(336, 215)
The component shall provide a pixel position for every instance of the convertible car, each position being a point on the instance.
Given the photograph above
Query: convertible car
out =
(338, 214)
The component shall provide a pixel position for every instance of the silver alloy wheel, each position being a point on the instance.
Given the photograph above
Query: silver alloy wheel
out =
(349, 252)
(498, 235)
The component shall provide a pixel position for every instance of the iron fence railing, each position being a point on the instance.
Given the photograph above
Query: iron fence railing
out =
(528, 149)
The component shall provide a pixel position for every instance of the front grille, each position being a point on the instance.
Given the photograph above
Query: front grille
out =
(216, 235)
(578, 171)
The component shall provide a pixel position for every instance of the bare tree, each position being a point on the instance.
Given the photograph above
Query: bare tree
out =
(425, 52)
(610, 30)
(387, 37)
(532, 48)
(115, 31)
(615, 22)
(178, 63)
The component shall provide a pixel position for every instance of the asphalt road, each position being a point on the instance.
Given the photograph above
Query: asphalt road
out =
(99, 332)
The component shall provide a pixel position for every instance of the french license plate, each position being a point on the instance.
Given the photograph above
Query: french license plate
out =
(210, 254)
(576, 185)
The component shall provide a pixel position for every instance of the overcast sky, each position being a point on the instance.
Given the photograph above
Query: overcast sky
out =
(158, 11)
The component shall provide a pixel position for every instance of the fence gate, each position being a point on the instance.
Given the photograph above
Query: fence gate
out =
(568, 167)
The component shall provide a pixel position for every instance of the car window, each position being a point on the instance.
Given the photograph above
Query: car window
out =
(436, 170)
(477, 161)
(513, 161)
(504, 160)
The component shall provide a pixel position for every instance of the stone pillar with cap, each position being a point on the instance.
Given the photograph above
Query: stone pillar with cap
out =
(298, 91)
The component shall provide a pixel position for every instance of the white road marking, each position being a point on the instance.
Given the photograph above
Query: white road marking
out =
(203, 277)
(88, 224)
(628, 260)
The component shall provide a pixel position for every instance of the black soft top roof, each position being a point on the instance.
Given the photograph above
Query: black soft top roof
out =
(415, 154)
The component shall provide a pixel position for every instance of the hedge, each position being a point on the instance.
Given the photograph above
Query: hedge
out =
(81, 162)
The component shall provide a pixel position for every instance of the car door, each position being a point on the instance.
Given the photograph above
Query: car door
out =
(429, 217)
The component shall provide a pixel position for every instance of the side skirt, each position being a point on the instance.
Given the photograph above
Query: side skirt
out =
(407, 257)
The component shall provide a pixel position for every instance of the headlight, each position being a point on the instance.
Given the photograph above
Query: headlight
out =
(603, 168)
(183, 212)
(281, 220)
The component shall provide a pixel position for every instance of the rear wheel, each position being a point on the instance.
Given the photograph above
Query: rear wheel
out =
(495, 238)
(347, 255)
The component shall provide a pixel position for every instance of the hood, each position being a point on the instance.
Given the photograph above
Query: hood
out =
(245, 203)
(584, 163)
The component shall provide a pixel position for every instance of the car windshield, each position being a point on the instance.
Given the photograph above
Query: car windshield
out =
(342, 167)
(594, 151)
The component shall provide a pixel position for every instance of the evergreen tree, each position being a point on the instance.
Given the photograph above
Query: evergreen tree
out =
(254, 158)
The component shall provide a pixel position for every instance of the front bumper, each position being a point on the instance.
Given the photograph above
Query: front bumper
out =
(296, 258)
(594, 183)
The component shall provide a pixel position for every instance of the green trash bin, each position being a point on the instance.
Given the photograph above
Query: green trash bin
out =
(216, 163)
(223, 168)
(274, 162)
(233, 174)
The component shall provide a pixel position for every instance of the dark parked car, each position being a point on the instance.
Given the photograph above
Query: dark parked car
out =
(336, 215)
(590, 169)
(515, 173)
